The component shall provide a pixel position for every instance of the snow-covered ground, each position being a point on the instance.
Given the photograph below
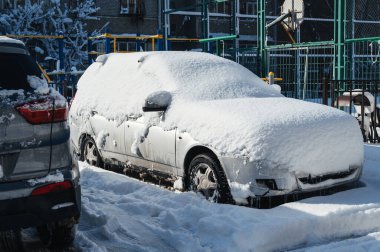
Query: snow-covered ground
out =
(123, 214)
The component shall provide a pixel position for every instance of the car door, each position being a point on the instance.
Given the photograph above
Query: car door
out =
(109, 138)
(150, 146)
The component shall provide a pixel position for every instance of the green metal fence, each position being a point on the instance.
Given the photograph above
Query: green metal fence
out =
(302, 68)
(363, 59)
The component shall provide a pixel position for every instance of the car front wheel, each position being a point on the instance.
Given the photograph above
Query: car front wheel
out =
(90, 153)
(206, 176)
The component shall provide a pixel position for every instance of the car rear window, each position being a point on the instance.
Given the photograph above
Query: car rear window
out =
(14, 69)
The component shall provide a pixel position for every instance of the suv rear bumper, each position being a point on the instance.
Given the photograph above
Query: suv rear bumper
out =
(33, 211)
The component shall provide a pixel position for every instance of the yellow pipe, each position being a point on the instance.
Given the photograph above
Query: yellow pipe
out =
(153, 44)
(114, 45)
(34, 36)
(44, 73)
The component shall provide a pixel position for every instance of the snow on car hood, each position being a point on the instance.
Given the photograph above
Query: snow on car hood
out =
(116, 85)
(276, 133)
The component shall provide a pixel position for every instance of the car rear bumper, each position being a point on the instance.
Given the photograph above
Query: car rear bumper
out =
(33, 211)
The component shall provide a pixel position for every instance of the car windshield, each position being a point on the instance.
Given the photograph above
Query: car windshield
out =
(14, 69)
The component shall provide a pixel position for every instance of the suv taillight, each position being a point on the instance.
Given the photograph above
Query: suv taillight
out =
(50, 188)
(43, 111)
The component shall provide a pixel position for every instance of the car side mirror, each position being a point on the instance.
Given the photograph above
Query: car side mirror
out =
(157, 102)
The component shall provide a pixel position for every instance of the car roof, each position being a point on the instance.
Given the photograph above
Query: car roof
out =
(9, 45)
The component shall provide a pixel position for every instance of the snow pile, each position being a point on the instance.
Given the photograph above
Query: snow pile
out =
(40, 85)
(120, 213)
(54, 177)
(241, 192)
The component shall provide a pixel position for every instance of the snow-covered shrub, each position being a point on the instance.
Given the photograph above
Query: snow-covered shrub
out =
(53, 17)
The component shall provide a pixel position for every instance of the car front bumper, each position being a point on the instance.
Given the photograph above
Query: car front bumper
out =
(278, 182)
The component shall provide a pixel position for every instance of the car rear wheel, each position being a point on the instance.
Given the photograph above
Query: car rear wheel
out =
(206, 176)
(10, 241)
(90, 153)
(58, 235)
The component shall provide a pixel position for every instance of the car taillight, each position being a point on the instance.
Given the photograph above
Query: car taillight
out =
(50, 188)
(43, 111)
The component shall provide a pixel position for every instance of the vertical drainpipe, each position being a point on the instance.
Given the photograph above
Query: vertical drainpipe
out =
(261, 36)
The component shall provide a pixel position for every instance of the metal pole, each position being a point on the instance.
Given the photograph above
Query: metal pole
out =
(339, 38)
(261, 36)
(61, 57)
(205, 25)
(233, 29)
(298, 63)
(165, 24)
(353, 44)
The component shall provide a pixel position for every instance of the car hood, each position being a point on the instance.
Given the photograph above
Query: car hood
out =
(275, 133)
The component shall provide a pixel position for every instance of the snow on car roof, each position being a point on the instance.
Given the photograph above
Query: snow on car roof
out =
(130, 78)
(5, 39)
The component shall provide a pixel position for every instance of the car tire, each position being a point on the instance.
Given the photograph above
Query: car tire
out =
(90, 153)
(58, 235)
(10, 241)
(205, 176)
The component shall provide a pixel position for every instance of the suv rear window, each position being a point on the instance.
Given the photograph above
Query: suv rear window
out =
(14, 69)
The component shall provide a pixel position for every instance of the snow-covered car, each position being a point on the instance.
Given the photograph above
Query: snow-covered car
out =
(210, 125)
(39, 180)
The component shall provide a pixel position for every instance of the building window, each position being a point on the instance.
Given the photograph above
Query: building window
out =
(128, 6)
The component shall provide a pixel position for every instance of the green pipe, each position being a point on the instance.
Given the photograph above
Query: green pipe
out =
(218, 38)
(372, 39)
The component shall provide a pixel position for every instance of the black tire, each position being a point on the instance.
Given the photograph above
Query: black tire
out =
(10, 241)
(93, 158)
(206, 170)
(58, 235)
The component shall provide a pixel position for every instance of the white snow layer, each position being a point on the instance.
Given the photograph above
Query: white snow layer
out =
(225, 106)
(122, 214)
(4, 39)
(39, 84)
(55, 177)
(130, 78)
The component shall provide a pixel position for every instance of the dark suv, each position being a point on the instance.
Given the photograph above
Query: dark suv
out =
(39, 180)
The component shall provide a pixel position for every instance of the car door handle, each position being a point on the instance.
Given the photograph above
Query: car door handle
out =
(93, 112)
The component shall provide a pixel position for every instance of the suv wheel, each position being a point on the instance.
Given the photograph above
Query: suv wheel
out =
(10, 241)
(90, 153)
(57, 235)
(207, 177)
